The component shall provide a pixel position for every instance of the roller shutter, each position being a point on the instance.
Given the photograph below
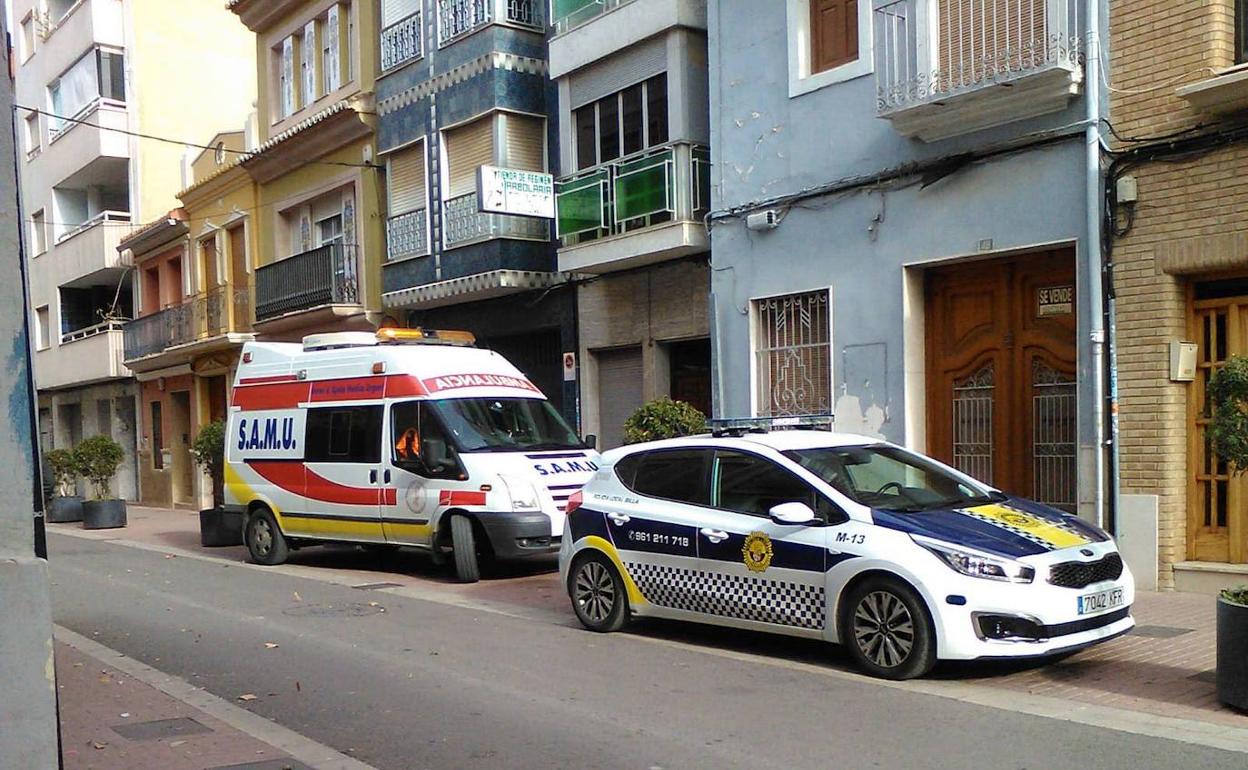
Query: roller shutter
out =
(407, 180)
(467, 148)
(526, 142)
(619, 392)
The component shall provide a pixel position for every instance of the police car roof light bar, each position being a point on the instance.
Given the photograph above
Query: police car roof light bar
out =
(737, 426)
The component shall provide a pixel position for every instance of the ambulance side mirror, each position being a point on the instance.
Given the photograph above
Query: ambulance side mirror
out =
(590, 442)
(436, 457)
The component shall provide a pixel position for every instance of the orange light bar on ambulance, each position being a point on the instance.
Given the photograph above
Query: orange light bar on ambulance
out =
(426, 336)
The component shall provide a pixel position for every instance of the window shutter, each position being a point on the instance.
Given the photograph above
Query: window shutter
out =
(407, 180)
(394, 11)
(309, 62)
(333, 67)
(467, 148)
(526, 142)
(833, 33)
(288, 76)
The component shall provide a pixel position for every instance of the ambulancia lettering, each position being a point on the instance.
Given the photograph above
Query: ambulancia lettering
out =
(571, 466)
(456, 381)
(266, 433)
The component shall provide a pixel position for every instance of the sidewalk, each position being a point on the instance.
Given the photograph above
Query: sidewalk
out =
(1164, 667)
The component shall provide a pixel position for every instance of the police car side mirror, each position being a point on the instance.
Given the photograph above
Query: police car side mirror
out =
(792, 514)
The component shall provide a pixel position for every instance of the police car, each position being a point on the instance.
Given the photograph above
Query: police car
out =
(901, 559)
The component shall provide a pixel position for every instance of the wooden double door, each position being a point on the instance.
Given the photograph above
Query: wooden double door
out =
(1001, 388)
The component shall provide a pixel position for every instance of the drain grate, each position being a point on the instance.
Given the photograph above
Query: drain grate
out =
(375, 586)
(1161, 632)
(268, 764)
(1210, 676)
(160, 728)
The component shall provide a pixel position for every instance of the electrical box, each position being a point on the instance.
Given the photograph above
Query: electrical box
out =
(1182, 361)
(767, 219)
(1128, 190)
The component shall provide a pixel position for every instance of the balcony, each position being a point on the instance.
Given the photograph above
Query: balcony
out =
(401, 42)
(76, 146)
(86, 252)
(205, 318)
(407, 235)
(945, 68)
(84, 356)
(463, 223)
(325, 277)
(573, 13)
(645, 208)
(587, 31)
(458, 18)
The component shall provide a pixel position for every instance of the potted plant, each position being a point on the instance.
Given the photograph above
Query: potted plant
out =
(98, 458)
(217, 527)
(65, 505)
(1228, 438)
(663, 418)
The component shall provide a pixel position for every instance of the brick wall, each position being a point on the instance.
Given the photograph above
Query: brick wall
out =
(1157, 46)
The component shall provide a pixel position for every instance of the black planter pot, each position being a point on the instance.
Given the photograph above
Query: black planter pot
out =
(103, 514)
(1233, 654)
(217, 527)
(64, 509)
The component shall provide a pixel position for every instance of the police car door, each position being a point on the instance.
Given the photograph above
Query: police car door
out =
(758, 570)
(656, 533)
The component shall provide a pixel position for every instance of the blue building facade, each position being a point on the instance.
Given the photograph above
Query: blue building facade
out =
(463, 84)
(901, 204)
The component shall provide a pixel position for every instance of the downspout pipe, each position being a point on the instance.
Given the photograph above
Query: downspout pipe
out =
(1094, 261)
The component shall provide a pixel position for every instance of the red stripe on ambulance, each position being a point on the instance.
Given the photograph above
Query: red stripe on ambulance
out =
(283, 395)
(297, 479)
(460, 497)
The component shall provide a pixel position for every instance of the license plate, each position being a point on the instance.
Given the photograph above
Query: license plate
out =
(1100, 601)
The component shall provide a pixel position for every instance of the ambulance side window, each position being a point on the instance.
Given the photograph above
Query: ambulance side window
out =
(419, 443)
(343, 434)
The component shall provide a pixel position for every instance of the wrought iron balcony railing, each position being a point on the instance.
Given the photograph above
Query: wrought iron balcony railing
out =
(407, 235)
(201, 317)
(569, 14)
(463, 223)
(671, 182)
(328, 275)
(401, 41)
(932, 50)
(460, 17)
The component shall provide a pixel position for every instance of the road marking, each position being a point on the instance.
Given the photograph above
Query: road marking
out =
(1123, 720)
(306, 750)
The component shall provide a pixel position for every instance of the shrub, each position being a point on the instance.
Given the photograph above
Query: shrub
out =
(662, 419)
(98, 458)
(208, 448)
(65, 471)
(1228, 397)
(1236, 595)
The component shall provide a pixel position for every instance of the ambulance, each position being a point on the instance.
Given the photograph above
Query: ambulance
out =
(406, 437)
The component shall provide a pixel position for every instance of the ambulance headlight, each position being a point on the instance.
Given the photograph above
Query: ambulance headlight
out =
(977, 565)
(523, 494)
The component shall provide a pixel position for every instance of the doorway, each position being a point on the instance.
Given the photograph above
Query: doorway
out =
(1001, 388)
(180, 426)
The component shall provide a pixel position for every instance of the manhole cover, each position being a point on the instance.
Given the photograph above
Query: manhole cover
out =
(268, 764)
(159, 728)
(1160, 632)
(344, 610)
(375, 586)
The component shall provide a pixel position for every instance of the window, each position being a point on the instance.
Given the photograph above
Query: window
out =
(329, 230)
(158, 438)
(882, 476)
(829, 42)
(679, 475)
(38, 233)
(406, 177)
(419, 442)
(750, 484)
(623, 123)
(307, 62)
(97, 74)
(512, 424)
(28, 37)
(286, 78)
(330, 60)
(793, 354)
(467, 148)
(43, 328)
(350, 434)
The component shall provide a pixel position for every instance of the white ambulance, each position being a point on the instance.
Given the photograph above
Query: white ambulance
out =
(405, 437)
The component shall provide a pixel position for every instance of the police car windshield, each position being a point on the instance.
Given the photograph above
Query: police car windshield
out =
(890, 478)
(505, 424)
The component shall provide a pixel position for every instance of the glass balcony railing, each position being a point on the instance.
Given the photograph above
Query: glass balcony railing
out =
(569, 14)
(328, 275)
(457, 18)
(663, 184)
(463, 222)
(401, 42)
(407, 235)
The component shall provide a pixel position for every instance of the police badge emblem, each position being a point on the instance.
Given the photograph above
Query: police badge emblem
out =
(757, 552)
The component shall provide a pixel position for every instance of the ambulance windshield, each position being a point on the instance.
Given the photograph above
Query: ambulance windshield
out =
(505, 424)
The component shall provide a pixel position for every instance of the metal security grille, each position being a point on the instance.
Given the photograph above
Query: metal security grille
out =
(794, 355)
(972, 423)
(1053, 436)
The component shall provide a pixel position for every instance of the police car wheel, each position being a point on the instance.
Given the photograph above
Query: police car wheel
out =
(888, 630)
(464, 545)
(597, 594)
(265, 542)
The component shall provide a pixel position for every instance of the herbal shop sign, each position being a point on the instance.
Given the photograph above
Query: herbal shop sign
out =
(520, 193)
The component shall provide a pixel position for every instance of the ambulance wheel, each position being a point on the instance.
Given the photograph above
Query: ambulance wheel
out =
(464, 545)
(265, 542)
(888, 630)
(597, 592)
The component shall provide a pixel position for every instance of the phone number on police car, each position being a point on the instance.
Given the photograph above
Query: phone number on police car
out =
(656, 538)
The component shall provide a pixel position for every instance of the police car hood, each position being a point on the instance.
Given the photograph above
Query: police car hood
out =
(1012, 527)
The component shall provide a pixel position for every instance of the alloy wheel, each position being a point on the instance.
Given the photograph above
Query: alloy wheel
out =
(884, 629)
(594, 591)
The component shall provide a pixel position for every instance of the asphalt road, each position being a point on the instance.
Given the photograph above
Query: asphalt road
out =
(403, 683)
